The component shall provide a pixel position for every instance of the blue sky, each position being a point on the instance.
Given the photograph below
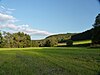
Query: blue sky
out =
(41, 18)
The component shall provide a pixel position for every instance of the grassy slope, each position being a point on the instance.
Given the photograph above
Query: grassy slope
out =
(50, 61)
(77, 42)
(82, 42)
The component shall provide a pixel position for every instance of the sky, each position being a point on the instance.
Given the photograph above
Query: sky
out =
(41, 18)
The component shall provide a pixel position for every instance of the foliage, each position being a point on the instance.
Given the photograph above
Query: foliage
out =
(61, 38)
(34, 43)
(96, 36)
(97, 21)
(92, 34)
(21, 40)
(86, 35)
(51, 42)
(1, 40)
(16, 40)
(96, 31)
(69, 42)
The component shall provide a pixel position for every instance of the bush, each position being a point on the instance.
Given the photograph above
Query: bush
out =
(51, 42)
(96, 36)
(34, 44)
(69, 43)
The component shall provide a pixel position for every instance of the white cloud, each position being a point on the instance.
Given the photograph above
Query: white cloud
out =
(2, 7)
(6, 10)
(6, 18)
(8, 22)
(25, 29)
(10, 9)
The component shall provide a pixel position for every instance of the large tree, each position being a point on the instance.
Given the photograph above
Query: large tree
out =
(51, 42)
(1, 40)
(96, 31)
(21, 40)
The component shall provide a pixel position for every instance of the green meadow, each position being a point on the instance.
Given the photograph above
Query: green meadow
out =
(50, 61)
(76, 43)
(82, 42)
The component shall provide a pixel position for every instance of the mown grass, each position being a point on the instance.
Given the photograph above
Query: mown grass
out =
(50, 61)
(82, 42)
(77, 43)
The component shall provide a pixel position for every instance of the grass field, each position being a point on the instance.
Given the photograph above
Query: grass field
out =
(82, 42)
(50, 61)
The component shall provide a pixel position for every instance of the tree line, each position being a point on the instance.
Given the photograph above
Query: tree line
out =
(22, 40)
(15, 40)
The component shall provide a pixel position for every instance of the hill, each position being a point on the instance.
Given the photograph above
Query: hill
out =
(61, 38)
(86, 35)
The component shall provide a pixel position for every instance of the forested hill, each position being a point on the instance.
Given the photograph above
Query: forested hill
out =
(86, 35)
(52, 40)
(23, 40)
(62, 37)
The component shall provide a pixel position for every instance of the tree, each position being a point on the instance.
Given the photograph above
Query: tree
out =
(96, 35)
(97, 21)
(34, 43)
(51, 42)
(69, 42)
(8, 40)
(1, 40)
(21, 40)
(16, 40)
(96, 31)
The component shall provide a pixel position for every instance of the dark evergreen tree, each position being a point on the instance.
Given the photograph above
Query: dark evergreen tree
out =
(69, 42)
(96, 31)
(1, 40)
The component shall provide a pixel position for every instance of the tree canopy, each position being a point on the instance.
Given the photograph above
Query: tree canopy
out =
(96, 31)
(16, 40)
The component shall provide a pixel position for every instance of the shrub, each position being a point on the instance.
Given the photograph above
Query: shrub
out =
(51, 42)
(69, 43)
